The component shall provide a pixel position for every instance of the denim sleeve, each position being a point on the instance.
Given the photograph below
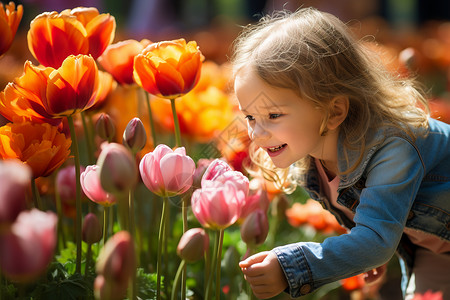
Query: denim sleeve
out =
(393, 177)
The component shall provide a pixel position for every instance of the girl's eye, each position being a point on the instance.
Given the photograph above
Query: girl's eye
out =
(274, 116)
(249, 117)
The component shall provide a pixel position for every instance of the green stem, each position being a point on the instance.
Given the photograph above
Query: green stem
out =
(150, 117)
(176, 123)
(219, 261)
(185, 228)
(181, 267)
(88, 259)
(89, 137)
(37, 197)
(123, 212)
(213, 265)
(60, 226)
(105, 223)
(160, 244)
(131, 214)
(165, 251)
(78, 193)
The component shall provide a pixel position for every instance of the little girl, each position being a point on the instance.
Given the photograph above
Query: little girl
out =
(323, 112)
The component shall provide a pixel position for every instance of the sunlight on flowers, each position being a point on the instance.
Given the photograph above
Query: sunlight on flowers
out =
(118, 59)
(168, 69)
(21, 100)
(9, 22)
(41, 146)
(54, 36)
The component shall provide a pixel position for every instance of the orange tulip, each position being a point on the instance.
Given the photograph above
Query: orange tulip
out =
(202, 115)
(21, 100)
(52, 36)
(9, 22)
(106, 84)
(73, 87)
(118, 59)
(168, 69)
(41, 146)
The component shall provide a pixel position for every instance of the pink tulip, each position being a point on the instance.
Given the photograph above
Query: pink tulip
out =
(220, 171)
(167, 172)
(115, 266)
(216, 168)
(26, 248)
(66, 184)
(117, 169)
(15, 180)
(217, 205)
(257, 199)
(202, 166)
(90, 183)
(255, 228)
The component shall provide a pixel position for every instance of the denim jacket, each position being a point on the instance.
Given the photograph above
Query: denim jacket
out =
(399, 182)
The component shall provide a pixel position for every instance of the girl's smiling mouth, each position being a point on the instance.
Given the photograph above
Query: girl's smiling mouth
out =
(273, 151)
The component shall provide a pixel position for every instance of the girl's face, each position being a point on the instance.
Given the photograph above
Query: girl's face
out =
(279, 121)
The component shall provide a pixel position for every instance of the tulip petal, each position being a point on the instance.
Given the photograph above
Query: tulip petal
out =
(100, 33)
(144, 74)
(169, 80)
(53, 37)
(177, 172)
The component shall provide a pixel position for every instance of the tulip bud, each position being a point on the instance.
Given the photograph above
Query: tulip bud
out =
(193, 244)
(115, 266)
(255, 228)
(118, 170)
(105, 127)
(14, 187)
(92, 230)
(134, 136)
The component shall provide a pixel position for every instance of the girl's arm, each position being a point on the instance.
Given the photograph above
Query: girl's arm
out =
(393, 177)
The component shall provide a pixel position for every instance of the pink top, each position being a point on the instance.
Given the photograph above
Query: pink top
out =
(419, 238)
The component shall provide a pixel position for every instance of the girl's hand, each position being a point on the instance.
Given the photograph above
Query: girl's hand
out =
(264, 274)
(375, 274)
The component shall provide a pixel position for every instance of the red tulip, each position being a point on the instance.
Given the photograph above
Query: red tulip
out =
(217, 205)
(167, 172)
(9, 22)
(90, 183)
(15, 180)
(168, 69)
(115, 266)
(52, 36)
(27, 247)
(118, 59)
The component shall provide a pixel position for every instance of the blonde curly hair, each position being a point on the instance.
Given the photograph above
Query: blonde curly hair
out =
(316, 55)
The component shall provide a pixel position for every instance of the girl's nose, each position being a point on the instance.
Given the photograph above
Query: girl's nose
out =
(259, 132)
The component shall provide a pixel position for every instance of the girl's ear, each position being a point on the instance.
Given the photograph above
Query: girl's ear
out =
(338, 112)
